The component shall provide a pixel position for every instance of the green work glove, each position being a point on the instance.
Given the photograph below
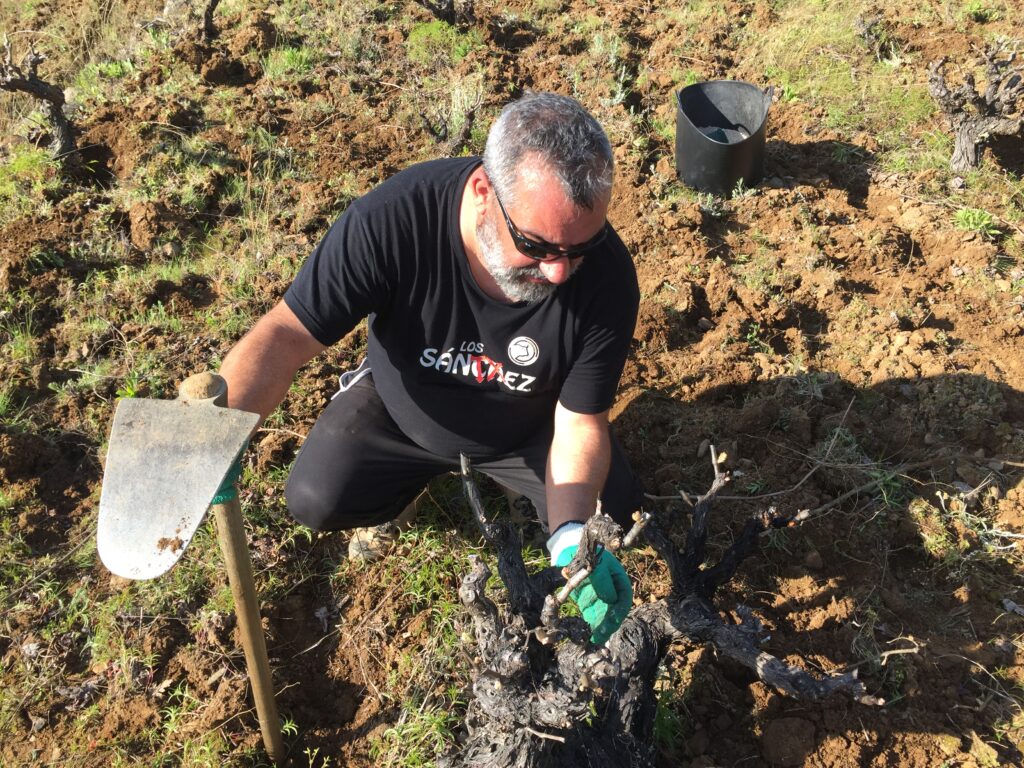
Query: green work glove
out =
(606, 596)
(228, 490)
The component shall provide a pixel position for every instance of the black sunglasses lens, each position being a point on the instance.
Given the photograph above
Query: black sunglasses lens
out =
(542, 252)
(538, 252)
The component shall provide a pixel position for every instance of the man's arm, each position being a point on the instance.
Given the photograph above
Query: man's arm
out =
(577, 468)
(577, 465)
(260, 368)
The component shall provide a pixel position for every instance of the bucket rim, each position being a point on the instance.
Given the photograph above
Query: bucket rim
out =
(765, 93)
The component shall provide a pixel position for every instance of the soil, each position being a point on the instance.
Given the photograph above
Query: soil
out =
(832, 297)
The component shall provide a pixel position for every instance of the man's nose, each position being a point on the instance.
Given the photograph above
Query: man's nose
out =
(556, 270)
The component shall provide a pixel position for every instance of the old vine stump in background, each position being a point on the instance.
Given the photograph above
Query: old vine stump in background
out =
(542, 695)
(24, 78)
(976, 116)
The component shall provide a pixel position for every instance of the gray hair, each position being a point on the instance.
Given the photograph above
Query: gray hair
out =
(565, 137)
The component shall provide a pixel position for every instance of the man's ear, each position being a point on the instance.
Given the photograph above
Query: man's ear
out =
(481, 189)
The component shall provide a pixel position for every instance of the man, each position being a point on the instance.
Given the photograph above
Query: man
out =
(501, 306)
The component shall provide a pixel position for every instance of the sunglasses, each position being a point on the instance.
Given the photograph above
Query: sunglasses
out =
(539, 251)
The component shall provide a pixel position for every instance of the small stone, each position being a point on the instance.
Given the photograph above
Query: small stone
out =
(31, 650)
(985, 754)
(38, 723)
(171, 249)
(913, 218)
(948, 743)
(776, 182)
(704, 324)
(813, 560)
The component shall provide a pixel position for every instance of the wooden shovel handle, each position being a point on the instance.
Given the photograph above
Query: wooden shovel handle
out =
(231, 534)
(211, 388)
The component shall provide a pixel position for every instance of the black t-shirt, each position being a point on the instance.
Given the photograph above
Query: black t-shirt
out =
(456, 369)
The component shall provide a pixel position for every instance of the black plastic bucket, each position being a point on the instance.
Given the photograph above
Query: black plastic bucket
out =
(720, 134)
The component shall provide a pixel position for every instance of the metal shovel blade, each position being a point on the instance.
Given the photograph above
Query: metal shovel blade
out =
(165, 461)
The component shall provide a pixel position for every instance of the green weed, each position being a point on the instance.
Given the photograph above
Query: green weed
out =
(131, 385)
(711, 205)
(979, 11)
(290, 62)
(19, 337)
(420, 735)
(670, 729)
(741, 190)
(763, 274)
(439, 44)
(12, 412)
(891, 489)
(155, 39)
(977, 220)
(755, 340)
(94, 82)
(28, 176)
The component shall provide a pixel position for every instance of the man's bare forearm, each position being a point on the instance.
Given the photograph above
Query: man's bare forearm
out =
(577, 465)
(260, 368)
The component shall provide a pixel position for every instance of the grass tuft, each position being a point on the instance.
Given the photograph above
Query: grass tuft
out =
(28, 176)
(438, 43)
(290, 62)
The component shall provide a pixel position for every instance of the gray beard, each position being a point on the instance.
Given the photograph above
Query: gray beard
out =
(514, 282)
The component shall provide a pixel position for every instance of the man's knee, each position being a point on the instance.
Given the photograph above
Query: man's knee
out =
(309, 505)
(313, 506)
(325, 509)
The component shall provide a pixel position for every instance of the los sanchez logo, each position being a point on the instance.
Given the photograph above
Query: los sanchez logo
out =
(471, 362)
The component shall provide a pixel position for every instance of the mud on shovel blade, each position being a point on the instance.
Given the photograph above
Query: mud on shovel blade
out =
(166, 460)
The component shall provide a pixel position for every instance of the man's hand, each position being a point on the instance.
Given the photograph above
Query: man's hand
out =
(606, 596)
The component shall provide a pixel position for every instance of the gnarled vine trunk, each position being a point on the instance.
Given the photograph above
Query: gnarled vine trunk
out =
(543, 695)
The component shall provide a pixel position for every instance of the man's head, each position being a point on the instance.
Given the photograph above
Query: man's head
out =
(545, 191)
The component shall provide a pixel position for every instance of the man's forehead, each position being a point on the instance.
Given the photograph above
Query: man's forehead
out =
(532, 173)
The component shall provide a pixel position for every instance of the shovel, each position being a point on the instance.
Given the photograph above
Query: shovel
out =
(165, 461)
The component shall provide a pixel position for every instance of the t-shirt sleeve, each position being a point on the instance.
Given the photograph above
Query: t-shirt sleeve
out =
(342, 281)
(607, 332)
